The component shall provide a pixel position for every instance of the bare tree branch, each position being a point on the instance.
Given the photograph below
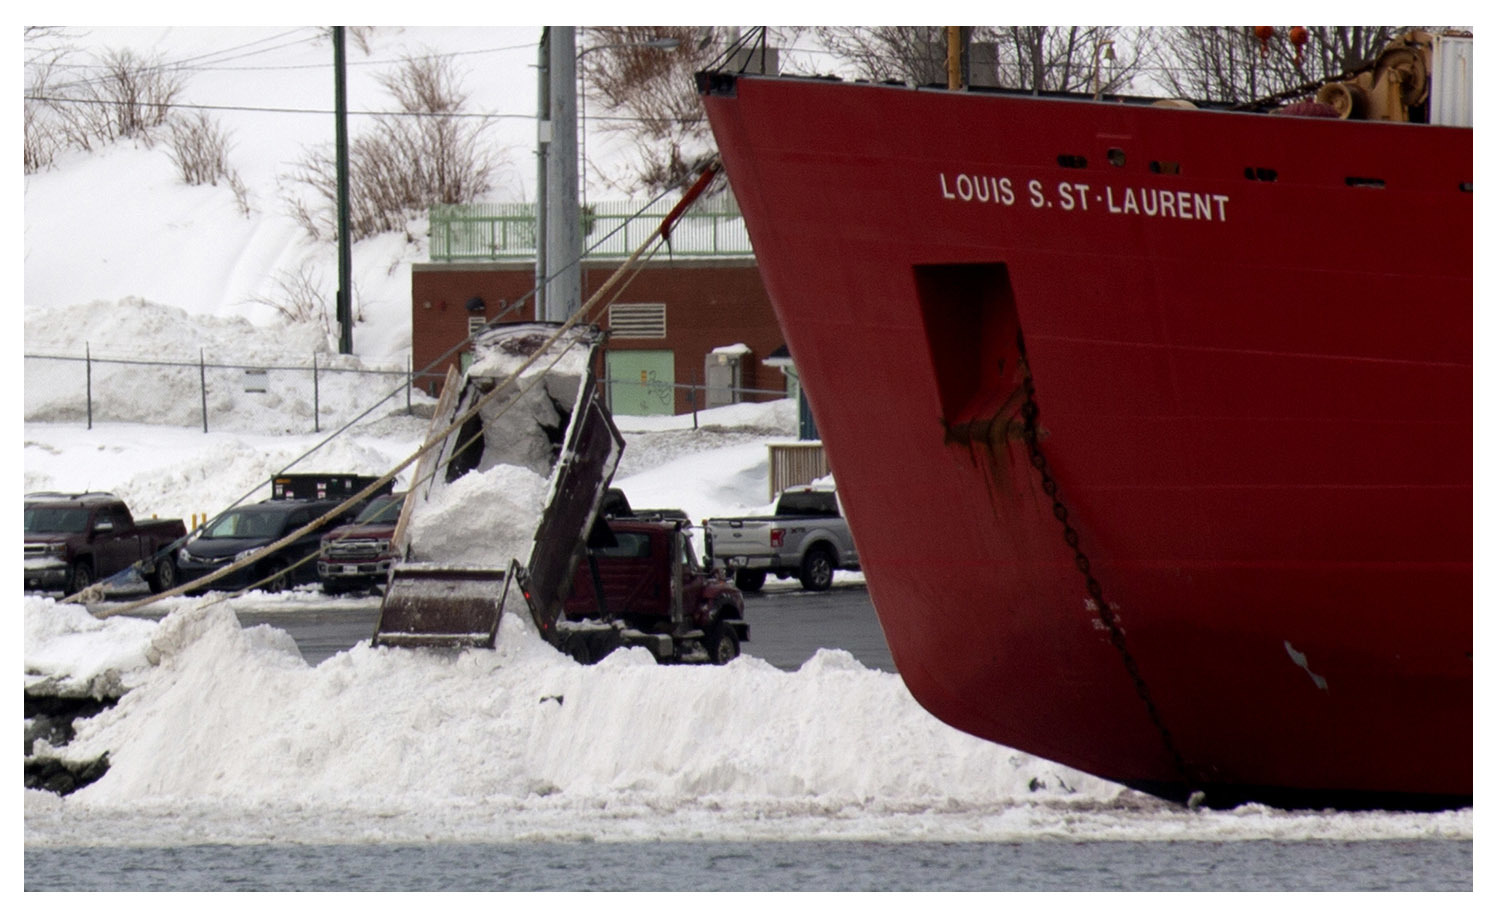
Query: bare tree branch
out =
(1037, 58)
(1228, 63)
(408, 162)
(649, 93)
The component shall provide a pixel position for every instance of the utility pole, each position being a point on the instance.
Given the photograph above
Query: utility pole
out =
(342, 197)
(541, 190)
(560, 199)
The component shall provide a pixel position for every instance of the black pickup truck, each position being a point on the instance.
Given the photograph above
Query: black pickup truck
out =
(72, 540)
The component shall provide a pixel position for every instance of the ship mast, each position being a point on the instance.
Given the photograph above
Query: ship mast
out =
(956, 46)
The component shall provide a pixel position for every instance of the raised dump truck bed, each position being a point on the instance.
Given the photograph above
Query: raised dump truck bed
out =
(529, 401)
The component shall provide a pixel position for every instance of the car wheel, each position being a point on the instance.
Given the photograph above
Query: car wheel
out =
(721, 643)
(82, 576)
(816, 569)
(165, 577)
(278, 580)
(749, 581)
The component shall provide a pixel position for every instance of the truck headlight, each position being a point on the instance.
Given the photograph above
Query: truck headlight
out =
(184, 557)
(243, 555)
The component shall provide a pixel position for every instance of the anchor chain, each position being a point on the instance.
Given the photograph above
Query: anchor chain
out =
(1030, 414)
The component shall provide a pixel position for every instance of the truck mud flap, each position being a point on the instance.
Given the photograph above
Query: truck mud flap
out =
(436, 606)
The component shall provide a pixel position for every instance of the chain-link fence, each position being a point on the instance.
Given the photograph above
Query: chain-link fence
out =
(639, 397)
(325, 393)
(211, 393)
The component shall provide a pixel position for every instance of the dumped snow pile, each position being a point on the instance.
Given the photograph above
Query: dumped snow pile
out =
(484, 518)
(230, 737)
(234, 721)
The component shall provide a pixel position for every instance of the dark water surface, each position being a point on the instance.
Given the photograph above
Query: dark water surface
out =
(1431, 865)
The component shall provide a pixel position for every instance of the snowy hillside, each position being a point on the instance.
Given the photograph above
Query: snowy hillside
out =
(118, 222)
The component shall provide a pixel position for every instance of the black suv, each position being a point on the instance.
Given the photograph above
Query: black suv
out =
(244, 531)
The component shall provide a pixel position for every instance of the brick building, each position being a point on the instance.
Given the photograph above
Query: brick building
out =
(694, 326)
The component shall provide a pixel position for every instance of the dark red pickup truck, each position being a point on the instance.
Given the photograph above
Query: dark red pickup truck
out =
(359, 555)
(72, 540)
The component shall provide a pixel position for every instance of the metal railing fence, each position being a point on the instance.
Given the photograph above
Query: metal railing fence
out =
(508, 232)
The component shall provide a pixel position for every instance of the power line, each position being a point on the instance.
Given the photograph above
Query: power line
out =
(62, 100)
(269, 109)
(183, 63)
(386, 61)
(321, 66)
(250, 44)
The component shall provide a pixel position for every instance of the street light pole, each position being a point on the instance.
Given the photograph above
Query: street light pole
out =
(342, 200)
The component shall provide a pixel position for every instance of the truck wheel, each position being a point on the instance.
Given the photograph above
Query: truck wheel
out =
(82, 576)
(721, 643)
(749, 581)
(165, 577)
(815, 569)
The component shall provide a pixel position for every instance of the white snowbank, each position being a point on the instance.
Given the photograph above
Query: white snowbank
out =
(71, 654)
(231, 737)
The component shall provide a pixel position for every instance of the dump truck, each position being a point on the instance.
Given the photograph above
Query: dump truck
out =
(525, 457)
(642, 585)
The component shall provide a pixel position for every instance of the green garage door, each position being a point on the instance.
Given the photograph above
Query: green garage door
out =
(641, 382)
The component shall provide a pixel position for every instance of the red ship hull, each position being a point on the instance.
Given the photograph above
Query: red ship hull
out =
(1249, 341)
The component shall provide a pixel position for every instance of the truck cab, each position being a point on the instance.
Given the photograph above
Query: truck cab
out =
(72, 540)
(806, 537)
(359, 555)
(650, 580)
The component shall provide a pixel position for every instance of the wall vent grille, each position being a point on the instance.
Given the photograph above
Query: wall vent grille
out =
(638, 320)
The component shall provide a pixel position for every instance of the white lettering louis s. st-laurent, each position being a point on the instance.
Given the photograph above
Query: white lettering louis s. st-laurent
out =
(1083, 198)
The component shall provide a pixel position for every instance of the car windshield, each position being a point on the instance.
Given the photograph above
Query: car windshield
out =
(382, 510)
(247, 524)
(56, 519)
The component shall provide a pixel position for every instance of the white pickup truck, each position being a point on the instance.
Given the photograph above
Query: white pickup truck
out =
(806, 538)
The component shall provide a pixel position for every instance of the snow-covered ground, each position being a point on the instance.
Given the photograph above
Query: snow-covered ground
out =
(226, 734)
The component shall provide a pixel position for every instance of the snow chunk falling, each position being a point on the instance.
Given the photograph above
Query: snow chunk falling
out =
(484, 518)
